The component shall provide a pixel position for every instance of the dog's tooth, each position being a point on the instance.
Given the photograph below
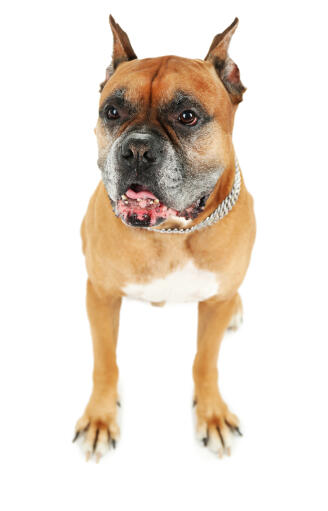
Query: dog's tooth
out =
(151, 202)
(138, 200)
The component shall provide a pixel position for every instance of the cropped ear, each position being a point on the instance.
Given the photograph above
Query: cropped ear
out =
(225, 67)
(122, 50)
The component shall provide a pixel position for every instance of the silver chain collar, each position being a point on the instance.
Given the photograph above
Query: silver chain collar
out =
(221, 211)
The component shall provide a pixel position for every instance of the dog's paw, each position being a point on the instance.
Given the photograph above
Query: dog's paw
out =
(96, 432)
(216, 426)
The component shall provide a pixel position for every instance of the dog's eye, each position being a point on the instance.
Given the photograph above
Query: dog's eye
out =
(188, 117)
(112, 113)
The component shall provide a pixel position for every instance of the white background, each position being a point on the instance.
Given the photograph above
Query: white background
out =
(273, 372)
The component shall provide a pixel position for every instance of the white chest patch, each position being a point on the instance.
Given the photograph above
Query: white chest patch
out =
(186, 284)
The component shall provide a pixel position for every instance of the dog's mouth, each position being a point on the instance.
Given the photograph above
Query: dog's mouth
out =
(139, 207)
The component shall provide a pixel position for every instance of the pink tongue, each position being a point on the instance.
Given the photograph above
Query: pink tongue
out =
(144, 194)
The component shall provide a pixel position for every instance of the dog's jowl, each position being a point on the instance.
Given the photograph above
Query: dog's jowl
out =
(171, 219)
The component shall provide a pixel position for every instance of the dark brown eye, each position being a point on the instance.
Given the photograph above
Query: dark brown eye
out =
(112, 113)
(188, 117)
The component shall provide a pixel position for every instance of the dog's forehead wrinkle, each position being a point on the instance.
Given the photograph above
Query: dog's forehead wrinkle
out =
(154, 78)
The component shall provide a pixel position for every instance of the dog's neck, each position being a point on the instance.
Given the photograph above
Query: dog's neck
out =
(218, 205)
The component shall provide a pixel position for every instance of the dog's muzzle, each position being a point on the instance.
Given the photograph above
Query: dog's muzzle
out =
(146, 178)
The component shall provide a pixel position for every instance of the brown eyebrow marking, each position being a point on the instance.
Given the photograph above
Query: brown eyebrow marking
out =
(117, 98)
(183, 100)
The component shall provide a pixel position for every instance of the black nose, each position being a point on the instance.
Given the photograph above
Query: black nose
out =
(141, 150)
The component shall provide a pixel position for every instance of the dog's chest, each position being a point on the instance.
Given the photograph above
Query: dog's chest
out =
(185, 284)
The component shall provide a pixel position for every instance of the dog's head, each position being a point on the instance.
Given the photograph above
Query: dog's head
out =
(164, 129)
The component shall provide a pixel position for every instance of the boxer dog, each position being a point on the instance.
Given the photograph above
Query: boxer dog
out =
(171, 219)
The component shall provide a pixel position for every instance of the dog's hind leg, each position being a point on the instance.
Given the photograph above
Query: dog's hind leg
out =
(97, 427)
(215, 423)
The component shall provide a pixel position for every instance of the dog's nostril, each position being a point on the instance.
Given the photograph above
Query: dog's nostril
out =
(149, 156)
(127, 154)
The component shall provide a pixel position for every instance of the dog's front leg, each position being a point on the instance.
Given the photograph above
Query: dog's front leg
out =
(97, 426)
(215, 422)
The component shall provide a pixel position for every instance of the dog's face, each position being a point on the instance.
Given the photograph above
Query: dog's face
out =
(164, 136)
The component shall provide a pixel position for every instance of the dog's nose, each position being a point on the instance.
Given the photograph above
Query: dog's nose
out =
(140, 150)
(137, 149)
